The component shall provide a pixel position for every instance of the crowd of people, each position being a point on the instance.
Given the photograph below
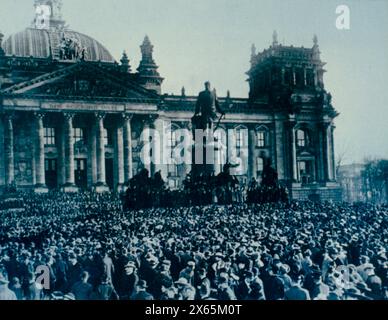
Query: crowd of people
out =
(94, 248)
(258, 193)
(205, 189)
(202, 190)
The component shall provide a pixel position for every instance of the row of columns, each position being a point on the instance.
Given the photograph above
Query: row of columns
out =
(325, 159)
(283, 76)
(9, 149)
(122, 158)
(123, 151)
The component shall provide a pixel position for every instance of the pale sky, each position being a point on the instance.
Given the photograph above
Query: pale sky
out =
(211, 39)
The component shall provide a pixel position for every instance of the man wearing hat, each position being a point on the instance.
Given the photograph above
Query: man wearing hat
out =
(141, 292)
(188, 272)
(283, 271)
(296, 292)
(185, 290)
(5, 292)
(82, 289)
(313, 283)
(203, 284)
(162, 279)
(149, 272)
(225, 292)
(128, 281)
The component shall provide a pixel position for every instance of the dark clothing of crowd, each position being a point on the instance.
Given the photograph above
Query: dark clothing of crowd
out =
(94, 249)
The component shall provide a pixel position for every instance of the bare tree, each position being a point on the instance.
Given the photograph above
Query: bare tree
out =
(343, 155)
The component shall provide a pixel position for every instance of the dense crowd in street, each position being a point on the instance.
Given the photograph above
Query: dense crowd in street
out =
(93, 249)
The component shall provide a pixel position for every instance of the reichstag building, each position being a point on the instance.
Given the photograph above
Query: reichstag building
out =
(72, 116)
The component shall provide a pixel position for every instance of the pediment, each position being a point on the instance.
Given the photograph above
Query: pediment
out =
(83, 80)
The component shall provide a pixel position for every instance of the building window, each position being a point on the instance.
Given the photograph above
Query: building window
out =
(171, 144)
(288, 76)
(49, 136)
(79, 136)
(80, 165)
(306, 172)
(50, 165)
(173, 170)
(172, 141)
(260, 166)
(299, 77)
(108, 138)
(240, 138)
(301, 138)
(261, 139)
(310, 77)
(173, 184)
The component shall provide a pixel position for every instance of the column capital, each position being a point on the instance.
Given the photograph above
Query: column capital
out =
(127, 116)
(39, 115)
(100, 115)
(291, 124)
(149, 119)
(8, 115)
(68, 115)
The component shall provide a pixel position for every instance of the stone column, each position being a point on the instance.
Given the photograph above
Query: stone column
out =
(2, 146)
(119, 158)
(148, 125)
(319, 143)
(328, 154)
(315, 78)
(40, 171)
(9, 149)
(101, 185)
(294, 164)
(251, 153)
(280, 142)
(62, 158)
(92, 154)
(127, 134)
(69, 153)
(293, 76)
(332, 156)
(161, 127)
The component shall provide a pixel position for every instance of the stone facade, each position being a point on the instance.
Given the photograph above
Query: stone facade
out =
(74, 120)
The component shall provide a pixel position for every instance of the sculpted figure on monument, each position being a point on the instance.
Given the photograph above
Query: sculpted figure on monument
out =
(206, 108)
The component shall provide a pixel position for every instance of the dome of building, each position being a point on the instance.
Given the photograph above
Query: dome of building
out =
(48, 43)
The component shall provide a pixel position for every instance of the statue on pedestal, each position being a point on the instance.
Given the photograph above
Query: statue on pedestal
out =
(205, 115)
(206, 108)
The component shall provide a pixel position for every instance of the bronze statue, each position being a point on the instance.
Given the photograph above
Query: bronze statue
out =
(206, 108)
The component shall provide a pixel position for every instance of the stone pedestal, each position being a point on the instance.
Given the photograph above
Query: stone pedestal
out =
(70, 188)
(101, 188)
(41, 189)
(203, 154)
